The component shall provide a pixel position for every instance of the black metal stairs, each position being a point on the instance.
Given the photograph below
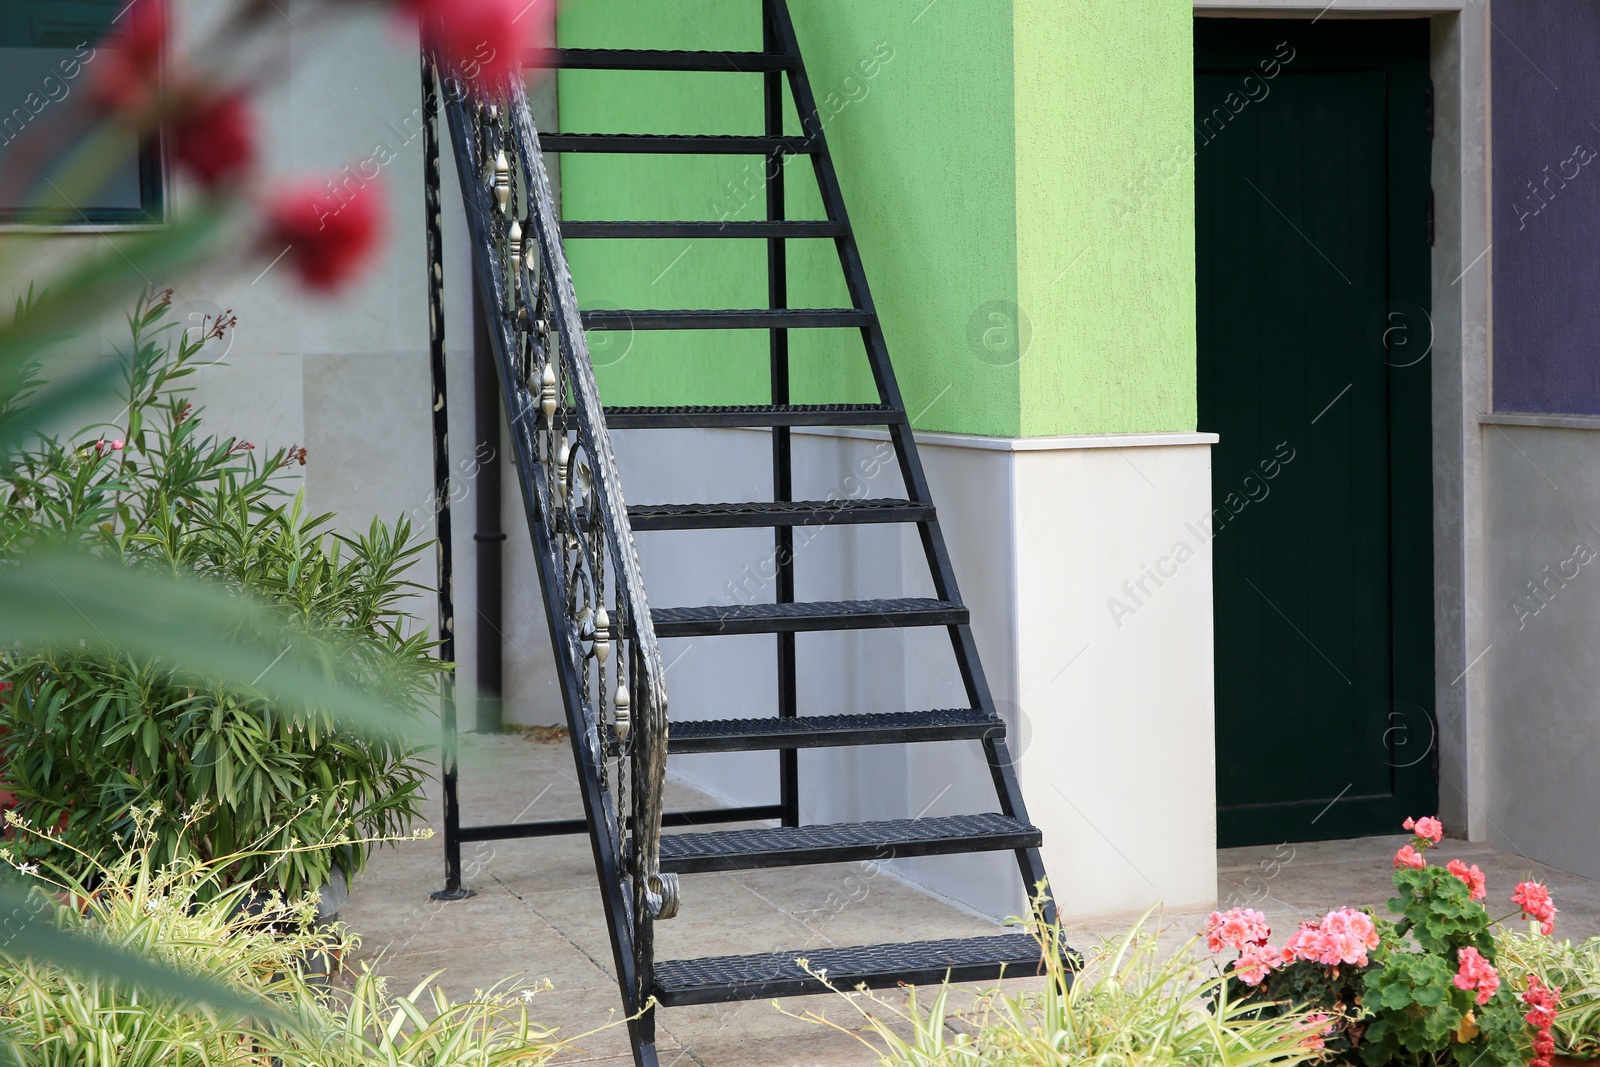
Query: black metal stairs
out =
(762, 975)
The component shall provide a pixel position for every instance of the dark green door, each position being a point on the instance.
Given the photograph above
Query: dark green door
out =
(1311, 188)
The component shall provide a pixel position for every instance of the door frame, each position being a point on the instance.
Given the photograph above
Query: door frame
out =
(1462, 353)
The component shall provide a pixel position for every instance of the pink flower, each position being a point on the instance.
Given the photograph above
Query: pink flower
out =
(127, 67)
(1343, 936)
(214, 139)
(1254, 963)
(1542, 1001)
(1347, 934)
(1475, 972)
(1317, 1024)
(329, 231)
(116, 446)
(1306, 943)
(1409, 857)
(1426, 827)
(487, 43)
(1236, 928)
(1474, 878)
(1534, 900)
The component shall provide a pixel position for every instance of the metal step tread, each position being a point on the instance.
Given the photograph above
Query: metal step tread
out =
(572, 229)
(662, 59)
(754, 415)
(725, 318)
(805, 616)
(715, 979)
(828, 731)
(767, 513)
(789, 846)
(676, 143)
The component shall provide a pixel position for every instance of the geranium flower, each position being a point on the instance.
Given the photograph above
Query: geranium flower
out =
(1475, 972)
(214, 139)
(1534, 900)
(1426, 827)
(1236, 928)
(1343, 936)
(127, 66)
(1542, 1001)
(1255, 962)
(325, 232)
(1475, 879)
(1409, 857)
(486, 42)
(1306, 943)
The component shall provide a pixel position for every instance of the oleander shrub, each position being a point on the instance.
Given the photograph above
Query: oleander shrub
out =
(90, 734)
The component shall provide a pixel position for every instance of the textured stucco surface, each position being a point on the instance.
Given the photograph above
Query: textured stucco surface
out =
(1542, 623)
(917, 112)
(1018, 177)
(1546, 207)
(1105, 215)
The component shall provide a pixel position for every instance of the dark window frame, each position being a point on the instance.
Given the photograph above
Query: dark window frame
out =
(154, 173)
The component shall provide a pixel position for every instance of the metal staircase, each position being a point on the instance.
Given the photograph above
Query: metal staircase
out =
(602, 627)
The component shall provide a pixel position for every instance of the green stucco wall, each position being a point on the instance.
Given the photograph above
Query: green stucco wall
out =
(1105, 214)
(981, 145)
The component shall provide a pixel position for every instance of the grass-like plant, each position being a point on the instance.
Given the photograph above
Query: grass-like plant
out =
(1130, 1003)
(91, 733)
(1573, 969)
(184, 916)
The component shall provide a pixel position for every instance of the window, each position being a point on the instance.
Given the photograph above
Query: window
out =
(47, 55)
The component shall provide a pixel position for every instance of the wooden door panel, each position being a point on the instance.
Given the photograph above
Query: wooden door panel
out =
(1297, 199)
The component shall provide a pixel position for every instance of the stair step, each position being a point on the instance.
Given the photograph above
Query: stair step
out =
(728, 619)
(659, 59)
(716, 979)
(727, 319)
(695, 144)
(753, 415)
(575, 229)
(791, 846)
(830, 731)
(763, 514)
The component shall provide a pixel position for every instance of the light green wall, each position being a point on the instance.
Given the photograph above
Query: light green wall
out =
(1105, 214)
(925, 155)
(981, 145)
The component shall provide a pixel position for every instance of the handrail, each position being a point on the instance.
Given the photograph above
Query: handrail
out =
(561, 442)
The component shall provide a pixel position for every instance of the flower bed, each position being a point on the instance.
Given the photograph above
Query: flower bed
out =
(1421, 989)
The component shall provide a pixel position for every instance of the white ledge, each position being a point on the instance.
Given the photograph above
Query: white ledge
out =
(1058, 443)
(1553, 422)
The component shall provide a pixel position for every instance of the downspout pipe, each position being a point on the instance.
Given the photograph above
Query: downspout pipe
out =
(488, 540)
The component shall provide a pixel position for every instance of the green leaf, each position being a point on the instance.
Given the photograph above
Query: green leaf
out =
(36, 938)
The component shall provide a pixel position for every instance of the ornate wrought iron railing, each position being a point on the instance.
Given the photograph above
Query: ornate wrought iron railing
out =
(613, 680)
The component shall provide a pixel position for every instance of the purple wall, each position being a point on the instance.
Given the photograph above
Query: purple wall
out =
(1545, 66)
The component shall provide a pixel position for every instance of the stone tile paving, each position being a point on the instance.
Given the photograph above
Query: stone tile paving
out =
(536, 918)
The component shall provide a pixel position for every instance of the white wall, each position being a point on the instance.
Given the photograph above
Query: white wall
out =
(1112, 725)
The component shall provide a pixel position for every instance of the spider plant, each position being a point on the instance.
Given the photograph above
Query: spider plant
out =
(180, 916)
(1574, 969)
(1128, 1003)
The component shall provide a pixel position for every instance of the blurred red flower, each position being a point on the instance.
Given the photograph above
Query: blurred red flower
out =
(127, 65)
(215, 139)
(326, 232)
(486, 42)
